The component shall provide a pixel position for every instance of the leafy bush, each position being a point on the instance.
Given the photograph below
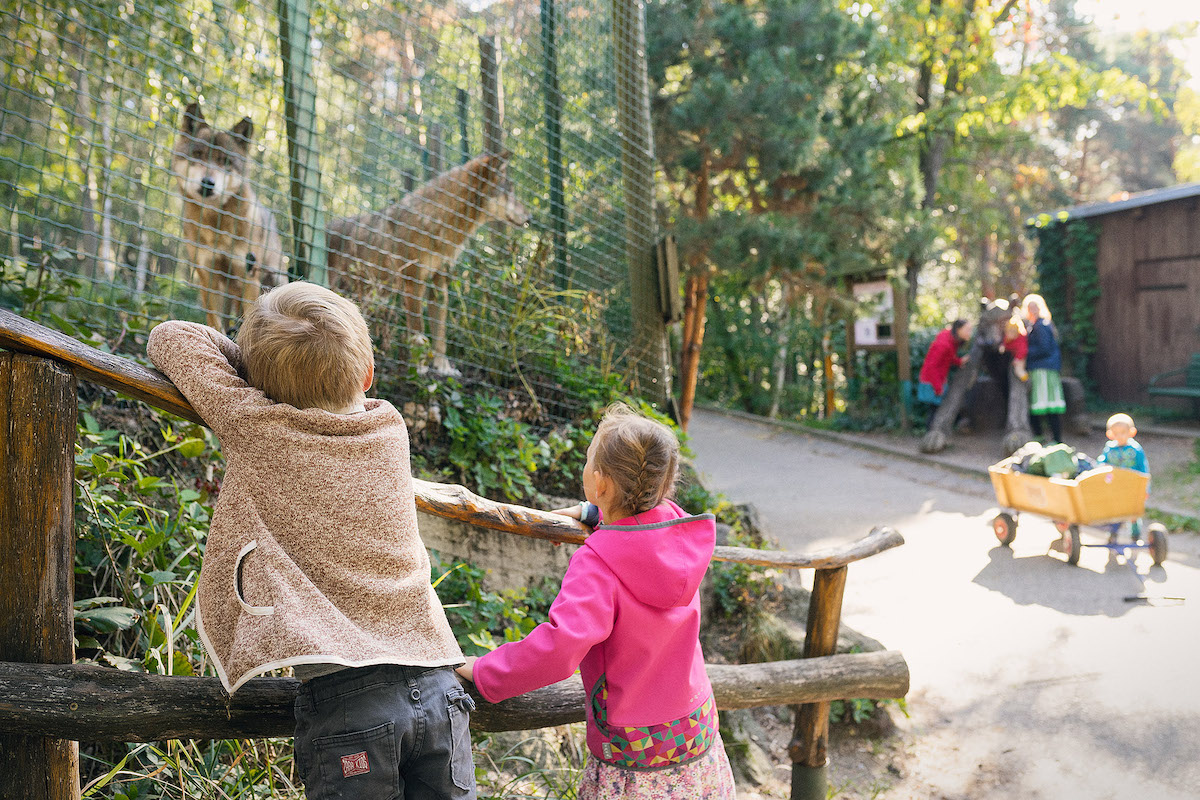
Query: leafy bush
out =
(483, 619)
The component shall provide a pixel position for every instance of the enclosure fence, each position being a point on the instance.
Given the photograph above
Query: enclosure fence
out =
(477, 176)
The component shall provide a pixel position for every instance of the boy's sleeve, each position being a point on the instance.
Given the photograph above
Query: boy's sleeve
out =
(1103, 457)
(203, 364)
(580, 617)
(589, 514)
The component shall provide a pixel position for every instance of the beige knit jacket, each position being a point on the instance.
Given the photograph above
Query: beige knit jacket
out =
(313, 556)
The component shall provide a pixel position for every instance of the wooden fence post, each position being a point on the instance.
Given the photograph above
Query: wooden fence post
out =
(37, 571)
(811, 735)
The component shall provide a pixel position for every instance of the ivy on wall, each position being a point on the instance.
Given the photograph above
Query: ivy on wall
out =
(1070, 281)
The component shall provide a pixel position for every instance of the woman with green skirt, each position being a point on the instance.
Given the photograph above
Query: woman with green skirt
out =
(1046, 399)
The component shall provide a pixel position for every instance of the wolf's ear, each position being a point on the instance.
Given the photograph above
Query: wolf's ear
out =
(243, 131)
(499, 159)
(193, 118)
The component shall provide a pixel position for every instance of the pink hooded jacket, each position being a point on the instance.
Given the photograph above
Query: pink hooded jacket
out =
(629, 610)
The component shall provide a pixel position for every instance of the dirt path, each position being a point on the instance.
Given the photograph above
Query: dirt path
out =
(1030, 678)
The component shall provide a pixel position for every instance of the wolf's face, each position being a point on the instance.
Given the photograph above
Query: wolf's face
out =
(502, 204)
(210, 165)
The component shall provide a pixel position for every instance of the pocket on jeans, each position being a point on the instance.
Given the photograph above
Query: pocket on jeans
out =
(358, 764)
(459, 706)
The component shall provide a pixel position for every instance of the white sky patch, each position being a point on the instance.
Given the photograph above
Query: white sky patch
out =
(1125, 16)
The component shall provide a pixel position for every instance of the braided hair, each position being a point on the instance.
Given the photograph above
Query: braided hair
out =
(639, 455)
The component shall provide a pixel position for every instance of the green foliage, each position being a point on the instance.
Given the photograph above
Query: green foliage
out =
(191, 769)
(1175, 522)
(483, 619)
(857, 710)
(737, 588)
(1070, 283)
(485, 442)
(860, 709)
(140, 539)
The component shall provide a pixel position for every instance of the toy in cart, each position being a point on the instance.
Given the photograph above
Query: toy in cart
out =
(1072, 491)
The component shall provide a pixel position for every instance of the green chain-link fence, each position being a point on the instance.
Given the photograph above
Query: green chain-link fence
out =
(381, 139)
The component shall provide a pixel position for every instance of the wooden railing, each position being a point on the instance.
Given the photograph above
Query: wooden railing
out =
(48, 704)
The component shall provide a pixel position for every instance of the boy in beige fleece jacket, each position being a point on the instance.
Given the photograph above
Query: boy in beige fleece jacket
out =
(313, 559)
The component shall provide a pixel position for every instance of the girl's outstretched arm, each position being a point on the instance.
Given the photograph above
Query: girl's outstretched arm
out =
(581, 616)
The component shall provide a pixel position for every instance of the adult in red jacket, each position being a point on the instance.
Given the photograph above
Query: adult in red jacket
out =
(942, 355)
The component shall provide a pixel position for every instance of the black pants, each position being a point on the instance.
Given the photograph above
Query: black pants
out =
(384, 733)
(1055, 420)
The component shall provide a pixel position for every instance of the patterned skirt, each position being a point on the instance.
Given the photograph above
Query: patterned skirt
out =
(1046, 392)
(705, 778)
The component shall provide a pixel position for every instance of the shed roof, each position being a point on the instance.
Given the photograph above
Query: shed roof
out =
(1138, 200)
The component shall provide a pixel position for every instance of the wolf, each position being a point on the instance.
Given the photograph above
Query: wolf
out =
(414, 243)
(231, 238)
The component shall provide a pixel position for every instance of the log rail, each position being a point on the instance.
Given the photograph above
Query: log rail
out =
(47, 703)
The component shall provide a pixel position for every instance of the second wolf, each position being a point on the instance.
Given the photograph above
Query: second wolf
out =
(230, 237)
(415, 243)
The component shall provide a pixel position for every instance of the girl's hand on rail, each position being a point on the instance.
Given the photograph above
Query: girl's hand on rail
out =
(467, 670)
(570, 511)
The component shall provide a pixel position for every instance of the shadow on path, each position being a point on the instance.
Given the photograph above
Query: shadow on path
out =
(1047, 580)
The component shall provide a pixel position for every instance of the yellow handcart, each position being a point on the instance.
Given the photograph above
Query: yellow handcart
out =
(1105, 496)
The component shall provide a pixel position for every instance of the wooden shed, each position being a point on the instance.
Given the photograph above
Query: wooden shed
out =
(1147, 318)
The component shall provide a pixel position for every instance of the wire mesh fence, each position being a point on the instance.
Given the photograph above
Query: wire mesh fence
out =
(470, 173)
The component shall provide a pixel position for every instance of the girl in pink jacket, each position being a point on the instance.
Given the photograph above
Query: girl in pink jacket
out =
(628, 617)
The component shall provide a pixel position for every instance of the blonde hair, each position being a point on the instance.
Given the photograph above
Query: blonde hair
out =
(1015, 325)
(1036, 299)
(306, 346)
(1118, 419)
(639, 455)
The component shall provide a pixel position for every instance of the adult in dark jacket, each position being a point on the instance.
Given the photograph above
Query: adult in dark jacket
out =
(1046, 399)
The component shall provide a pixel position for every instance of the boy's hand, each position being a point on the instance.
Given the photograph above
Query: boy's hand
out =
(467, 670)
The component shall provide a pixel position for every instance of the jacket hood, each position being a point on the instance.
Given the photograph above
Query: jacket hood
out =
(660, 555)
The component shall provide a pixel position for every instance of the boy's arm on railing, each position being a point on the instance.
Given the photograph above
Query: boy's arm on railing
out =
(106, 369)
(453, 502)
(204, 364)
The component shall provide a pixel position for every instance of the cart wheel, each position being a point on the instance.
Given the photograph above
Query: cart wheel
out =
(1156, 536)
(1005, 528)
(1074, 544)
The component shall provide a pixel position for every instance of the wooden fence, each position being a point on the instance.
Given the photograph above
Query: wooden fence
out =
(48, 704)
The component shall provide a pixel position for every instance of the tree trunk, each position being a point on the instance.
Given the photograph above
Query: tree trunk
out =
(106, 257)
(87, 247)
(695, 310)
(142, 265)
(695, 305)
(1017, 430)
(782, 335)
(988, 250)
